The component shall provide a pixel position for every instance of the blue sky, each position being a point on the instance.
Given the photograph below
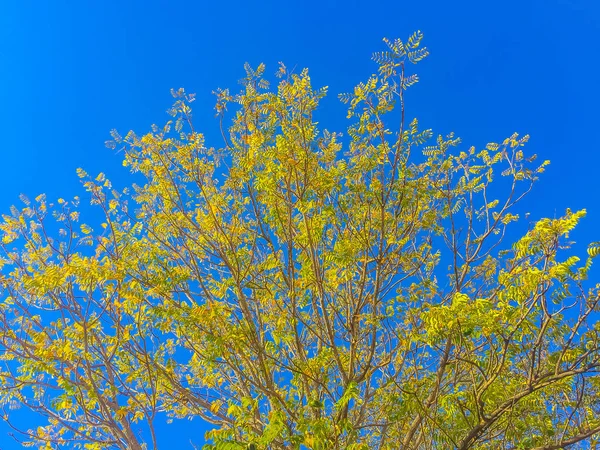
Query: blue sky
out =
(71, 71)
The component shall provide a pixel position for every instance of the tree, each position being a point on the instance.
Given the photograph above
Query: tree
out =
(302, 289)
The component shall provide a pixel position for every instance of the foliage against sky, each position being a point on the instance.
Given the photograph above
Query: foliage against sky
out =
(296, 287)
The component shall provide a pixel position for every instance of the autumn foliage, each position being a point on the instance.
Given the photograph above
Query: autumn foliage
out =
(299, 288)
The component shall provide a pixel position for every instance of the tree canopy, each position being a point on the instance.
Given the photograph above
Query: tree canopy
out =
(299, 288)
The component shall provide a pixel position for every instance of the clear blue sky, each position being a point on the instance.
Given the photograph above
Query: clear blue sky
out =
(72, 70)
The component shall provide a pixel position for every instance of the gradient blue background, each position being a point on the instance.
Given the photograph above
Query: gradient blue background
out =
(70, 71)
